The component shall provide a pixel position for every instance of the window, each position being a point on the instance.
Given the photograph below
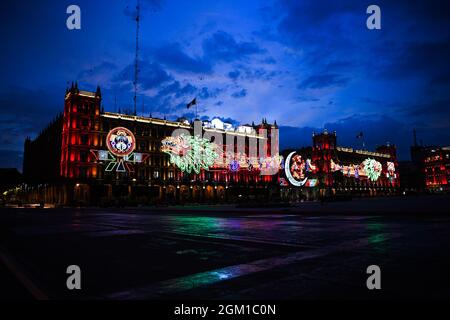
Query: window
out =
(84, 139)
(170, 174)
(83, 172)
(156, 174)
(83, 156)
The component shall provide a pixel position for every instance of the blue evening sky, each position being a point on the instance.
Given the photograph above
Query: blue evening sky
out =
(307, 64)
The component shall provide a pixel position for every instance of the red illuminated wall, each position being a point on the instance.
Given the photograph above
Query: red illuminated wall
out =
(324, 149)
(81, 123)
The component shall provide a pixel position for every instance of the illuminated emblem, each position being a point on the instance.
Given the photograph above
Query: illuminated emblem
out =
(190, 153)
(121, 142)
(234, 166)
(294, 167)
(372, 168)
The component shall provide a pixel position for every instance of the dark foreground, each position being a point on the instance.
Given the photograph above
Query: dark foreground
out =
(310, 252)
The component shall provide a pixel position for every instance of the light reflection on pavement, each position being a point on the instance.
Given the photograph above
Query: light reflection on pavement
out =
(139, 254)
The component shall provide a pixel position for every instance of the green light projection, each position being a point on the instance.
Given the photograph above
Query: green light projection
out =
(372, 168)
(190, 153)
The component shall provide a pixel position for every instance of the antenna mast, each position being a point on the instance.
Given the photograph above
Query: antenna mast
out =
(136, 58)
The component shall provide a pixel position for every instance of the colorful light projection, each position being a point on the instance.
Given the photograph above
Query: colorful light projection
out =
(372, 168)
(369, 168)
(390, 174)
(251, 163)
(294, 168)
(121, 143)
(234, 166)
(190, 153)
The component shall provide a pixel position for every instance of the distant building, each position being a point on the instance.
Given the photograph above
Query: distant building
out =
(9, 178)
(327, 170)
(432, 166)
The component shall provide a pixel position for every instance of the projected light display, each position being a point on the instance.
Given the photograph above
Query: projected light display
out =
(294, 167)
(121, 144)
(391, 175)
(190, 153)
(120, 141)
(234, 166)
(369, 168)
(372, 168)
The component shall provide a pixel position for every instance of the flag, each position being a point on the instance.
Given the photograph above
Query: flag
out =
(190, 104)
(359, 135)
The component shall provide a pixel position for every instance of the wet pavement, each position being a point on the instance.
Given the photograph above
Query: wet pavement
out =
(223, 252)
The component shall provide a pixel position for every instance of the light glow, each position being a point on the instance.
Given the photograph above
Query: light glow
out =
(295, 172)
(190, 153)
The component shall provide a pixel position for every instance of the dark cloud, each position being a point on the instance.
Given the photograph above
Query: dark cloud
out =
(206, 93)
(176, 89)
(24, 113)
(420, 59)
(222, 46)
(151, 75)
(234, 74)
(146, 5)
(103, 67)
(245, 72)
(441, 79)
(438, 111)
(323, 81)
(172, 55)
(239, 94)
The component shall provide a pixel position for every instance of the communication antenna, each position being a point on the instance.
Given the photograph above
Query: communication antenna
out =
(136, 57)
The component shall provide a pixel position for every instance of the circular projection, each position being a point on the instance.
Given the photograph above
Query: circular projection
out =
(294, 168)
(234, 166)
(120, 141)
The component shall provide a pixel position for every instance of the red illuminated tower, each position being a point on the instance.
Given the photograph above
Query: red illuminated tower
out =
(324, 149)
(392, 151)
(81, 125)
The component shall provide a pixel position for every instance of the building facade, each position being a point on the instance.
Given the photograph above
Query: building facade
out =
(433, 165)
(328, 170)
(97, 157)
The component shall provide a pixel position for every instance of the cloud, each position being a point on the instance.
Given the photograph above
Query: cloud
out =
(24, 113)
(151, 75)
(439, 107)
(239, 94)
(171, 55)
(146, 5)
(420, 59)
(323, 81)
(234, 74)
(222, 46)
(206, 93)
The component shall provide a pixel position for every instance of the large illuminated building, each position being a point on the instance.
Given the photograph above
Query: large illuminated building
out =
(328, 170)
(89, 156)
(433, 166)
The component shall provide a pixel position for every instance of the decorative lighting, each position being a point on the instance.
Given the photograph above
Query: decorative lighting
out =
(372, 168)
(190, 153)
(295, 168)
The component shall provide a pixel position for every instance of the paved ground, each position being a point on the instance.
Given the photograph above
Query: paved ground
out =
(310, 252)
